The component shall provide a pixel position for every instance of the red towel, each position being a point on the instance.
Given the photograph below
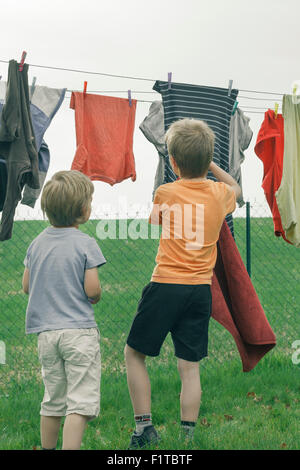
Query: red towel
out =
(104, 136)
(236, 306)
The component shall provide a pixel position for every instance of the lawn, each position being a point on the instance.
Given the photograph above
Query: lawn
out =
(255, 410)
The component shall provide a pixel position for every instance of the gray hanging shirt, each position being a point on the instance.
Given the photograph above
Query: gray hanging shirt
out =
(17, 145)
(153, 129)
(240, 138)
(57, 259)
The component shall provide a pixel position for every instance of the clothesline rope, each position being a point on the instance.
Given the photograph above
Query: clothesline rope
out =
(261, 110)
(154, 92)
(127, 77)
(86, 72)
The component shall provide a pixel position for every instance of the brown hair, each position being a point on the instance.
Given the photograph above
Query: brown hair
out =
(191, 143)
(65, 197)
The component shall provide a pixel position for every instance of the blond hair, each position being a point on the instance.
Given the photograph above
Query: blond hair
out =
(191, 143)
(65, 197)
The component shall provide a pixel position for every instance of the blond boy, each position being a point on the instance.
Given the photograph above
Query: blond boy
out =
(61, 278)
(178, 298)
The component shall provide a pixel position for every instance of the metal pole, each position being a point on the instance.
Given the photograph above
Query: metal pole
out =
(248, 238)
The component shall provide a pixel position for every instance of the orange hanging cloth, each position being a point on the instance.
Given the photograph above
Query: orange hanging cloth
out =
(104, 137)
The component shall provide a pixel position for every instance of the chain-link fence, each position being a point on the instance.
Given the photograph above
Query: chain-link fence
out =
(274, 273)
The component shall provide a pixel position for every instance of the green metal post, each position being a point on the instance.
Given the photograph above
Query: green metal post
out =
(248, 238)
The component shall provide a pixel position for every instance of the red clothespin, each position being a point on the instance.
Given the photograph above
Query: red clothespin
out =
(169, 80)
(24, 54)
(84, 87)
(129, 97)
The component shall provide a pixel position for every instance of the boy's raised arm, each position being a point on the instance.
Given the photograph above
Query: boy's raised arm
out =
(225, 177)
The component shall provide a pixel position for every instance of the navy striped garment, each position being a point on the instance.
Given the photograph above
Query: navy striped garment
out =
(209, 104)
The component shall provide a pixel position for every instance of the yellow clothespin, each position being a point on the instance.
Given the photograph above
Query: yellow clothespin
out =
(276, 110)
(294, 97)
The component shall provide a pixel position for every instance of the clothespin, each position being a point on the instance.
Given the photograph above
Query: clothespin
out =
(84, 87)
(24, 54)
(230, 87)
(234, 107)
(294, 97)
(169, 80)
(33, 86)
(129, 98)
(0, 77)
(276, 110)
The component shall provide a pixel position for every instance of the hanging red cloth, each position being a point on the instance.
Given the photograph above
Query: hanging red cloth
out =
(104, 136)
(269, 149)
(236, 306)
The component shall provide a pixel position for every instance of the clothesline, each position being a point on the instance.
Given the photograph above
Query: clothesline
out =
(155, 93)
(124, 76)
(261, 110)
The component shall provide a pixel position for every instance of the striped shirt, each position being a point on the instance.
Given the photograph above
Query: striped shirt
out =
(209, 104)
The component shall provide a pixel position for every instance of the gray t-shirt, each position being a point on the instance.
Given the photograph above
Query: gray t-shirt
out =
(240, 135)
(154, 130)
(57, 259)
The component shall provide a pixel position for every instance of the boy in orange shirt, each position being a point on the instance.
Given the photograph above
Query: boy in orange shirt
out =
(178, 298)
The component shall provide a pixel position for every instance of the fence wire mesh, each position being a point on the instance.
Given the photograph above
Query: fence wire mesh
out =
(274, 272)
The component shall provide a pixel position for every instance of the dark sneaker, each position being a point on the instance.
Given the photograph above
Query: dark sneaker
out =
(148, 437)
(186, 435)
(188, 440)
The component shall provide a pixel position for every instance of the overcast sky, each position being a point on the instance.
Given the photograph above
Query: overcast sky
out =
(255, 43)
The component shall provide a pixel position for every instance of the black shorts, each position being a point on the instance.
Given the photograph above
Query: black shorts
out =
(183, 310)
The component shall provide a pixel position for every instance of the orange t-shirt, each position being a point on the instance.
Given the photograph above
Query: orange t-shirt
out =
(191, 214)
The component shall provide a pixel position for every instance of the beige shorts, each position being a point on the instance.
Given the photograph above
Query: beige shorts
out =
(71, 371)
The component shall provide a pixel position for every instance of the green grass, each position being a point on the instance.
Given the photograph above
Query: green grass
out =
(256, 410)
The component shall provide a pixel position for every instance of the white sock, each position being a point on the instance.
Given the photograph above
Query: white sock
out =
(141, 422)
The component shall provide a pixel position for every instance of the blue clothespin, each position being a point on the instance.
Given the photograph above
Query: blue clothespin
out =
(33, 86)
(234, 107)
(129, 98)
(230, 87)
(169, 80)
